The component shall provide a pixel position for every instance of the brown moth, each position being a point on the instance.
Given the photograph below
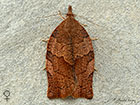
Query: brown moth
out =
(69, 60)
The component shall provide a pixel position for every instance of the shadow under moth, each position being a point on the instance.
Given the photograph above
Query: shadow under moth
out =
(69, 60)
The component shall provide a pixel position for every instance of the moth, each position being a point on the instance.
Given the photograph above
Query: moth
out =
(70, 60)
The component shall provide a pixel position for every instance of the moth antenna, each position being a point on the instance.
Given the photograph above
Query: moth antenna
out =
(97, 25)
(48, 16)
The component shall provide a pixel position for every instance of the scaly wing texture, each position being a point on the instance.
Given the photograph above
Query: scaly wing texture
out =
(58, 64)
(70, 61)
(84, 62)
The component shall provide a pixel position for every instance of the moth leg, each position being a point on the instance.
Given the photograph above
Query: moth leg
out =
(84, 25)
(95, 70)
(94, 38)
(60, 14)
(45, 40)
(44, 68)
(100, 75)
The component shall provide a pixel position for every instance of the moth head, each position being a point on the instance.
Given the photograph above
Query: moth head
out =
(70, 14)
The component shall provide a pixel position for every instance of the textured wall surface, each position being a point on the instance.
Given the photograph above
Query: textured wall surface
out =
(117, 51)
